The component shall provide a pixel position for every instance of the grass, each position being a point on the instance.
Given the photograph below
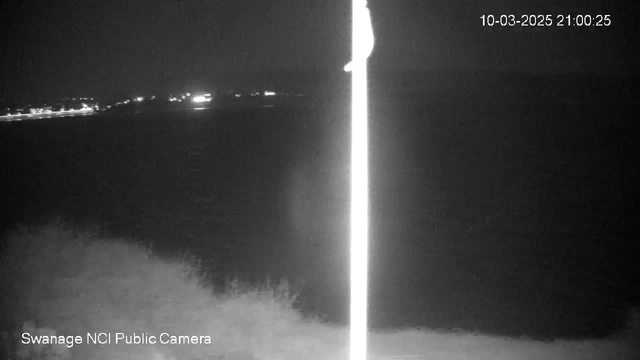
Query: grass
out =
(61, 281)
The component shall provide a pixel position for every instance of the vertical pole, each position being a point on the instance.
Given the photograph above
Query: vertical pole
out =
(362, 44)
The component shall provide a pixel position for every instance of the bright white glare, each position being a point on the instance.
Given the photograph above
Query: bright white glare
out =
(200, 99)
(269, 93)
(139, 98)
(362, 44)
(188, 94)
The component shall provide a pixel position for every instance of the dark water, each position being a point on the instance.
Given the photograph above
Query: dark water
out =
(505, 217)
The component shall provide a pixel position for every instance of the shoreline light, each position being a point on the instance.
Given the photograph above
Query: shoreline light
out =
(201, 98)
(51, 114)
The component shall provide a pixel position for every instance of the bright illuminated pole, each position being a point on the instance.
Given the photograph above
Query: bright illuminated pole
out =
(362, 45)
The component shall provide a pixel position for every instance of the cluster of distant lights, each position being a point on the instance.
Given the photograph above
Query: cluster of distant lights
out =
(199, 98)
(179, 98)
(195, 98)
(257, 93)
(80, 98)
(141, 99)
(40, 111)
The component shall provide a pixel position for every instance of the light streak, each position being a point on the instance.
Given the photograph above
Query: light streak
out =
(362, 45)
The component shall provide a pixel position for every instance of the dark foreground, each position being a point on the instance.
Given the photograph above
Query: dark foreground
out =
(105, 298)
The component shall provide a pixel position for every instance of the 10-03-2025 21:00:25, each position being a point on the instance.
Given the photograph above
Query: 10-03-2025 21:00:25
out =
(547, 20)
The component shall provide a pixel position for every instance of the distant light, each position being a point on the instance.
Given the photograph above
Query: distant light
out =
(139, 98)
(188, 94)
(201, 98)
(269, 93)
(183, 97)
(238, 95)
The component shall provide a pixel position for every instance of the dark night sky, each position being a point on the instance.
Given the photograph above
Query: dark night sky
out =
(94, 47)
